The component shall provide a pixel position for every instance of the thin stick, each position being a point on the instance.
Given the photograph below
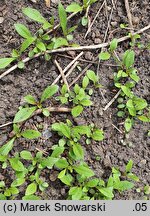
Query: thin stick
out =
(112, 100)
(39, 111)
(4, 125)
(72, 68)
(117, 128)
(66, 69)
(62, 74)
(91, 47)
(129, 14)
(90, 26)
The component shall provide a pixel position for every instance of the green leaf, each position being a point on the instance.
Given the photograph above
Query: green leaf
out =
(31, 197)
(98, 135)
(2, 184)
(26, 43)
(31, 189)
(104, 56)
(131, 107)
(5, 149)
(133, 74)
(86, 102)
(2, 197)
(63, 128)
(23, 30)
(84, 170)
(21, 64)
(129, 166)
(67, 179)
(92, 183)
(59, 42)
(78, 151)
(62, 174)
(57, 151)
(49, 92)
(63, 18)
(41, 46)
(139, 103)
(84, 21)
(45, 112)
(77, 110)
(18, 182)
(132, 177)
(126, 90)
(113, 45)
(26, 155)
(85, 82)
(31, 134)
(144, 118)
(76, 193)
(4, 62)
(16, 164)
(35, 15)
(62, 164)
(24, 114)
(92, 76)
(123, 185)
(107, 192)
(49, 162)
(74, 7)
(128, 58)
(14, 190)
(30, 99)
(128, 124)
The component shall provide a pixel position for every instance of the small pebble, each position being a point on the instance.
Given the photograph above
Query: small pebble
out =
(1, 19)
(46, 134)
(97, 41)
(88, 56)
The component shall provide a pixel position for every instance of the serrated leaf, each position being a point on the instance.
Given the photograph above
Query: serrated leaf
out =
(73, 7)
(24, 114)
(31, 134)
(84, 170)
(59, 42)
(4, 62)
(98, 135)
(23, 30)
(77, 110)
(16, 164)
(30, 99)
(5, 149)
(49, 92)
(78, 151)
(31, 189)
(26, 155)
(104, 56)
(63, 18)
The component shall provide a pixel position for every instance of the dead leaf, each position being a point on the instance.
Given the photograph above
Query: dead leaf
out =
(48, 3)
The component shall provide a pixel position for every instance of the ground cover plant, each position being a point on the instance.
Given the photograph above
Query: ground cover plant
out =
(70, 139)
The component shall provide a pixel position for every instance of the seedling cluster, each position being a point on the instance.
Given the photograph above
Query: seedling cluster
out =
(67, 156)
